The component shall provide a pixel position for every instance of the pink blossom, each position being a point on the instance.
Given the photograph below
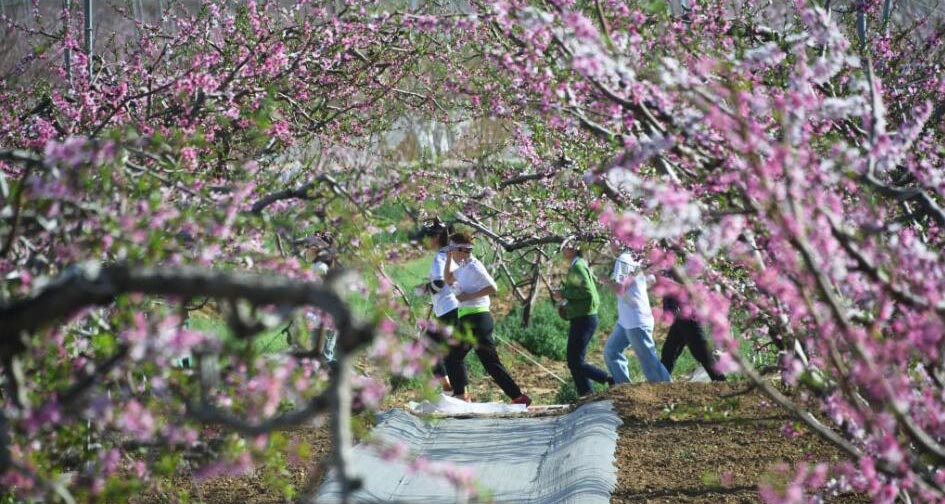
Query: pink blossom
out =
(369, 392)
(188, 157)
(137, 421)
(583, 27)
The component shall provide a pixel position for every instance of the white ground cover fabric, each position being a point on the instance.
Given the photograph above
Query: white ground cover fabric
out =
(700, 375)
(566, 458)
(449, 405)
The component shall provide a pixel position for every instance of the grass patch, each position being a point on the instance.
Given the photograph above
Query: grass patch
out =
(716, 411)
(567, 393)
(546, 335)
(406, 275)
(474, 366)
(272, 340)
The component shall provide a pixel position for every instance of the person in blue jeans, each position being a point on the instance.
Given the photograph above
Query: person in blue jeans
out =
(579, 305)
(634, 326)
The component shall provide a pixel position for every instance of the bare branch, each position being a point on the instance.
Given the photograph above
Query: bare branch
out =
(89, 284)
(527, 177)
(532, 292)
(5, 459)
(873, 271)
(342, 438)
(928, 203)
(301, 192)
(209, 414)
(304, 192)
(511, 246)
(21, 156)
(74, 393)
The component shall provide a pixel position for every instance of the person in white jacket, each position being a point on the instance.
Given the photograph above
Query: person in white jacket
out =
(634, 324)
(445, 308)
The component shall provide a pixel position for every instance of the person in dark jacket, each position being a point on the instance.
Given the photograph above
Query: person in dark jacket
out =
(686, 332)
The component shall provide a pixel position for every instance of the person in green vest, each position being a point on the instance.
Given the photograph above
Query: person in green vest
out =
(578, 305)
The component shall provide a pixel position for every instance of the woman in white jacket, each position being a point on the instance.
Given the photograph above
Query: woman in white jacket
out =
(445, 306)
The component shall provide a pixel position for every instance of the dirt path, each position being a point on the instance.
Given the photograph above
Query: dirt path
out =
(694, 442)
(258, 487)
(680, 442)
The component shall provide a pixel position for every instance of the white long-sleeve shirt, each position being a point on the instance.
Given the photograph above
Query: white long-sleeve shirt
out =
(444, 300)
(633, 307)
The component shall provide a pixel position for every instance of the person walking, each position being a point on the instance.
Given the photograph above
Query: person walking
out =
(319, 250)
(687, 332)
(579, 305)
(473, 285)
(445, 305)
(634, 324)
(324, 335)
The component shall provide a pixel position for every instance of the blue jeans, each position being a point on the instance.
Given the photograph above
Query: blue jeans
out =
(641, 339)
(579, 335)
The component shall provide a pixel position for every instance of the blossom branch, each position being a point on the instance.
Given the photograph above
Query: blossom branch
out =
(212, 415)
(513, 245)
(89, 284)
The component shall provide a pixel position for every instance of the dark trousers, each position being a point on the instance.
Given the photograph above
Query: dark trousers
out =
(688, 332)
(579, 335)
(479, 326)
(448, 319)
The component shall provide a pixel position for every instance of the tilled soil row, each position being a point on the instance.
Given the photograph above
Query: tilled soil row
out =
(706, 443)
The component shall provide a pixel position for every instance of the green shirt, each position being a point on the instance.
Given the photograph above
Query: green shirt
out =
(580, 291)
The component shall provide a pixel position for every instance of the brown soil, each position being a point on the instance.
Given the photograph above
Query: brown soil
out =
(679, 443)
(697, 442)
(254, 488)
